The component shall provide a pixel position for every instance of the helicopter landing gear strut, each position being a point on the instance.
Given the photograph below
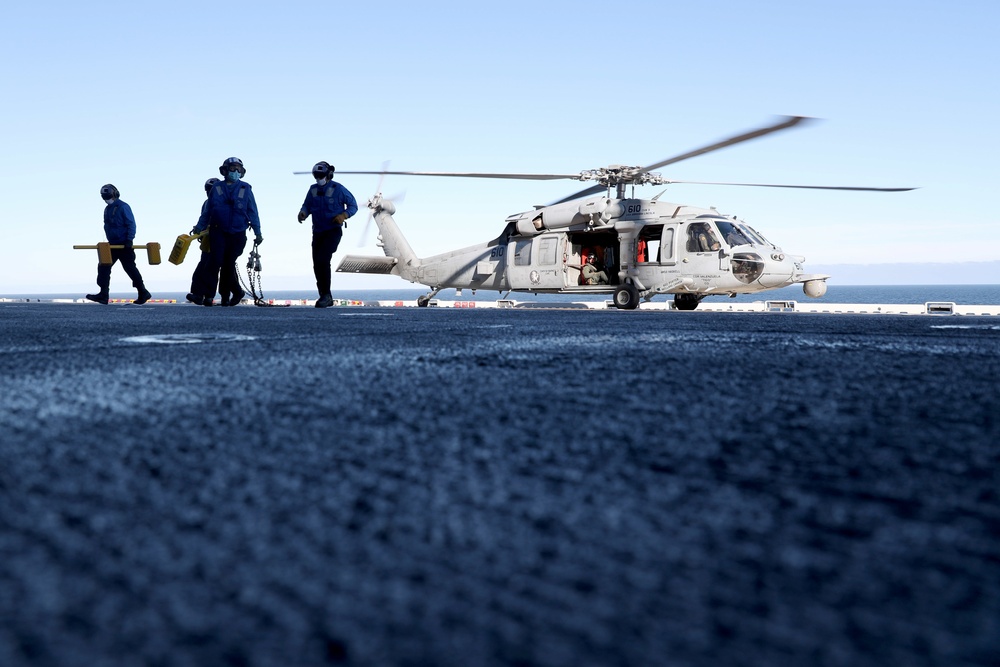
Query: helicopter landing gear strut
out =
(626, 297)
(424, 299)
(686, 301)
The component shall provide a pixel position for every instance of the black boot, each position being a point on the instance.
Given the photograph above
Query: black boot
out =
(143, 297)
(100, 297)
(325, 301)
(196, 299)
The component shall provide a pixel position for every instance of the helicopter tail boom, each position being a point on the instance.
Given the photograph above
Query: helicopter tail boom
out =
(399, 259)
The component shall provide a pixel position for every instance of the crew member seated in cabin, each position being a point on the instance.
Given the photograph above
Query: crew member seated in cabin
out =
(585, 252)
(592, 274)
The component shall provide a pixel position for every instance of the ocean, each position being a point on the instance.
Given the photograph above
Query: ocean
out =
(914, 294)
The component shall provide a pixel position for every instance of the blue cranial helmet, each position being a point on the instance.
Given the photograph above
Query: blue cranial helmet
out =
(323, 170)
(232, 164)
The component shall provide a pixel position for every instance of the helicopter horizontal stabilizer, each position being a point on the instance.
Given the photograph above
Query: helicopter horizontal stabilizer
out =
(362, 264)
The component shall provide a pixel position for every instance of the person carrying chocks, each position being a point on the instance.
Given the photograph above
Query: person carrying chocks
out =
(330, 204)
(203, 270)
(119, 229)
(231, 209)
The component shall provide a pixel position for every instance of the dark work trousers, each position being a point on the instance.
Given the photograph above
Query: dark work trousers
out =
(199, 279)
(127, 257)
(226, 249)
(323, 246)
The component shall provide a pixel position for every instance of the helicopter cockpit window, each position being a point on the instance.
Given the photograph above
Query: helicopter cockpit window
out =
(701, 238)
(732, 233)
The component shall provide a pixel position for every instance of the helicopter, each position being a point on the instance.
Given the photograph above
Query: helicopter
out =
(597, 242)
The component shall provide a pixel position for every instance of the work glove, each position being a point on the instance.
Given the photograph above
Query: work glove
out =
(194, 230)
(340, 219)
(127, 244)
(258, 239)
(302, 216)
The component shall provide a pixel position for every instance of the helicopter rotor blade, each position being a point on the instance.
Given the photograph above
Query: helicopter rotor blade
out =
(785, 123)
(466, 174)
(634, 175)
(592, 190)
(802, 187)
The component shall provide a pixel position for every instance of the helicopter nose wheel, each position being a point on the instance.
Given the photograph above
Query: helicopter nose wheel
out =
(626, 297)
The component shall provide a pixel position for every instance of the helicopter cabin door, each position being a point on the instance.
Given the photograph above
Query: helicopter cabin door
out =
(536, 263)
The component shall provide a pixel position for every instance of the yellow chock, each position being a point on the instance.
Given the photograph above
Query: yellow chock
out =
(182, 244)
(104, 251)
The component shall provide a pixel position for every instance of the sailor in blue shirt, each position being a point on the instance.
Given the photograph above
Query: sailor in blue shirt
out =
(230, 210)
(198, 278)
(119, 228)
(330, 204)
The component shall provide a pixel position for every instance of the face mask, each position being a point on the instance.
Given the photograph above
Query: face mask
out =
(108, 201)
(233, 176)
(320, 181)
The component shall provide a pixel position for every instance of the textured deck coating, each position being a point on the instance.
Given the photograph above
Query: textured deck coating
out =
(483, 487)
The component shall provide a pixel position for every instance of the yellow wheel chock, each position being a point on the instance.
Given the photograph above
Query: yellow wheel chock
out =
(104, 251)
(182, 243)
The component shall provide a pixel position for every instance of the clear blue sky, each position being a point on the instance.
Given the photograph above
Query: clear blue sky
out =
(152, 97)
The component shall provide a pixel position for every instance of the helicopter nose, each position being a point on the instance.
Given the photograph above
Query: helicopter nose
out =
(779, 271)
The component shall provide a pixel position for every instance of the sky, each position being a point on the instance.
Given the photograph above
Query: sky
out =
(152, 97)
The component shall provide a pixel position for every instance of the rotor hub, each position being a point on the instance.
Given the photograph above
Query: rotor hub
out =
(617, 174)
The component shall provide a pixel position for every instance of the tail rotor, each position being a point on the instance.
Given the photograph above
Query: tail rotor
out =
(371, 213)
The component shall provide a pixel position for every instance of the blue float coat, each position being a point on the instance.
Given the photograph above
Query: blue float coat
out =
(326, 202)
(119, 223)
(231, 207)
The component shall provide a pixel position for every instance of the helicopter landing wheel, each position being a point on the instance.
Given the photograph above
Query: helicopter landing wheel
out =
(626, 297)
(423, 300)
(686, 301)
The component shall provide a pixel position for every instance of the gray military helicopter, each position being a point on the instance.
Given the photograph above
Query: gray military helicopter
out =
(586, 245)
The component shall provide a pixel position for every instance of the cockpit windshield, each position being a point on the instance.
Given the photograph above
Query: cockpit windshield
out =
(738, 233)
(754, 234)
(733, 234)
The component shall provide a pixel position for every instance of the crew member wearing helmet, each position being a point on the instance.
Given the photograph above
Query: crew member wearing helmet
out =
(229, 211)
(198, 278)
(119, 228)
(330, 204)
